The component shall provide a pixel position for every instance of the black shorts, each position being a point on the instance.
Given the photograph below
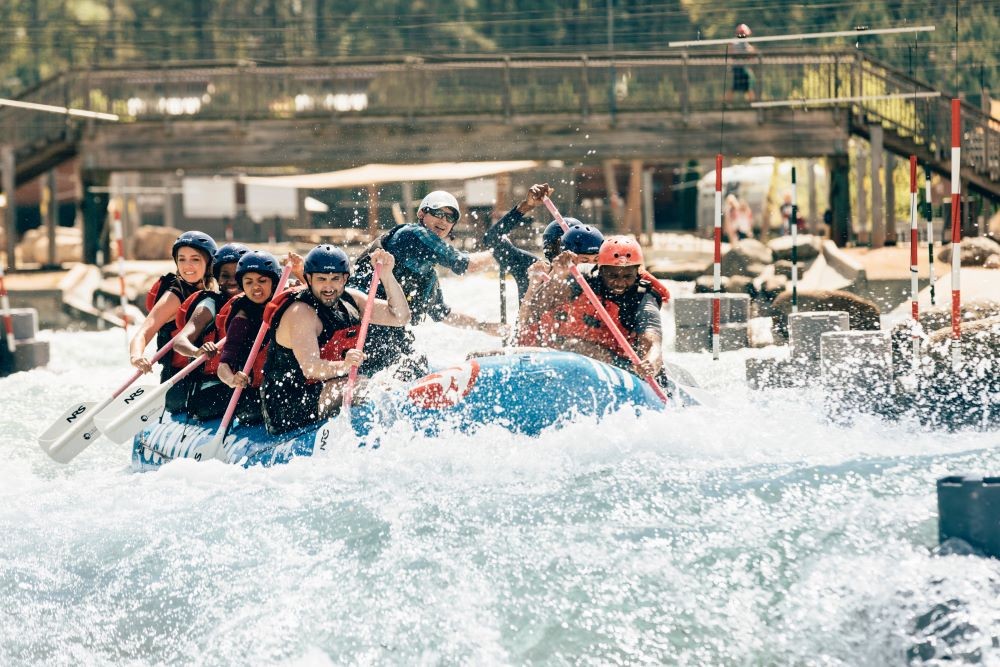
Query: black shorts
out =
(741, 79)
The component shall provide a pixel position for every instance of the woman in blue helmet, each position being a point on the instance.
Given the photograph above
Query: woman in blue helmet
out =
(206, 396)
(257, 273)
(314, 332)
(419, 248)
(193, 253)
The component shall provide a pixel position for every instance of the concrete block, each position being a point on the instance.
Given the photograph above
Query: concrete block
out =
(781, 373)
(733, 336)
(31, 354)
(25, 323)
(696, 310)
(693, 339)
(805, 330)
(856, 371)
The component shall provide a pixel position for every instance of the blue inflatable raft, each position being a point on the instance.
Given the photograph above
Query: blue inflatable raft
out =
(524, 390)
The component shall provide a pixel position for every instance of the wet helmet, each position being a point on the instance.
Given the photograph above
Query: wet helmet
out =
(620, 251)
(582, 239)
(327, 258)
(743, 30)
(258, 261)
(440, 199)
(231, 252)
(197, 240)
(552, 233)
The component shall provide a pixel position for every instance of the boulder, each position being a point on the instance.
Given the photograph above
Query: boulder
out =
(992, 262)
(34, 245)
(704, 284)
(150, 242)
(806, 249)
(863, 314)
(783, 267)
(939, 317)
(741, 285)
(976, 250)
(748, 257)
(681, 272)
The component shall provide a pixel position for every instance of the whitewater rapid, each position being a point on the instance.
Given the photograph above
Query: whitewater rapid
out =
(756, 533)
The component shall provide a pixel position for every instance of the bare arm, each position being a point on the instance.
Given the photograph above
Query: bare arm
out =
(164, 311)
(303, 328)
(200, 319)
(650, 352)
(481, 261)
(558, 290)
(463, 321)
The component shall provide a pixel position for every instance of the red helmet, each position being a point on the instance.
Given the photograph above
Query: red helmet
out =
(619, 251)
(743, 30)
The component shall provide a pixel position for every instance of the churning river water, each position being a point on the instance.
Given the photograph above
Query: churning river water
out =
(753, 534)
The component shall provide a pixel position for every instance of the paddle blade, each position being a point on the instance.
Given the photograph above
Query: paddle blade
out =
(132, 412)
(71, 433)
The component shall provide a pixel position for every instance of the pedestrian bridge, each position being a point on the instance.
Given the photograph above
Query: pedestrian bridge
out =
(326, 115)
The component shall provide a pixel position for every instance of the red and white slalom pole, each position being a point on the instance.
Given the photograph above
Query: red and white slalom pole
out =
(120, 251)
(929, 217)
(717, 266)
(914, 247)
(956, 233)
(8, 321)
(794, 221)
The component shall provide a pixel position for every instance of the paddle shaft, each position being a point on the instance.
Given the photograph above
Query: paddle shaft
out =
(366, 319)
(602, 312)
(257, 342)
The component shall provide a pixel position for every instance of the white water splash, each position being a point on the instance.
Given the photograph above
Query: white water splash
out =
(754, 534)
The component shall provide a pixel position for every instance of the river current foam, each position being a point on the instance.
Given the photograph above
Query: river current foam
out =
(754, 534)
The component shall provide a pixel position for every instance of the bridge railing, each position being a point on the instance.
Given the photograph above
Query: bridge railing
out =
(688, 86)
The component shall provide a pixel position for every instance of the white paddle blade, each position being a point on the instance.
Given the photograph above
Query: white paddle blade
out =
(72, 433)
(132, 412)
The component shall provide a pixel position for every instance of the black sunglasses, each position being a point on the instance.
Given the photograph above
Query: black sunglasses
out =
(444, 214)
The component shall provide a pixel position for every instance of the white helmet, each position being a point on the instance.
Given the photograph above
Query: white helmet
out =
(440, 199)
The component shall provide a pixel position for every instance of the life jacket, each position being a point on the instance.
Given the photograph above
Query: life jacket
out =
(341, 325)
(233, 306)
(168, 282)
(209, 334)
(655, 285)
(579, 319)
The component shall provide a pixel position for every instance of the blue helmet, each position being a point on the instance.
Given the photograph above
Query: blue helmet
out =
(582, 239)
(258, 261)
(553, 235)
(231, 252)
(197, 240)
(327, 258)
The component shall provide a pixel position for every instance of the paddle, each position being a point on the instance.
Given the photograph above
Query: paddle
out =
(366, 318)
(122, 419)
(608, 322)
(214, 448)
(73, 432)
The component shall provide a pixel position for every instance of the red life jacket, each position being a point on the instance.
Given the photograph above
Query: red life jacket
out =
(336, 339)
(210, 334)
(655, 285)
(579, 319)
(222, 324)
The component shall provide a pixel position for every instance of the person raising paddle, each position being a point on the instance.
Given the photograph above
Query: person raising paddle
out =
(419, 248)
(570, 322)
(314, 331)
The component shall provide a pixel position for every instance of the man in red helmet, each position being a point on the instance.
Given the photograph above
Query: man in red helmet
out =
(743, 78)
(571, 322)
